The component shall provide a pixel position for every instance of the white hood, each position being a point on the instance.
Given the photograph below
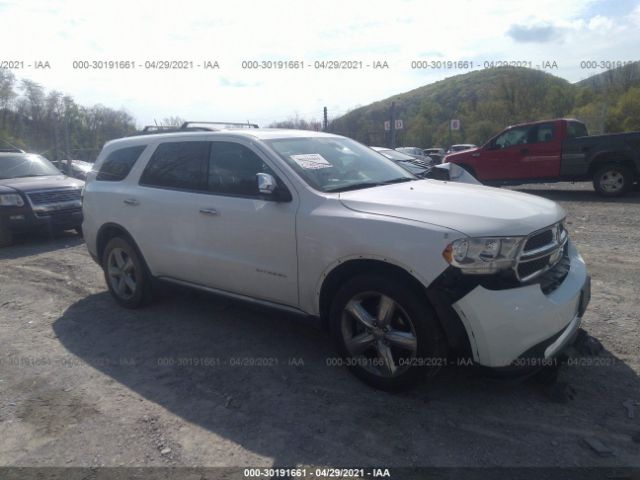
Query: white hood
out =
(474, 210)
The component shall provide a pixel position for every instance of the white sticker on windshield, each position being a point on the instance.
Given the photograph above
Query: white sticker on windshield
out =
(311, 161)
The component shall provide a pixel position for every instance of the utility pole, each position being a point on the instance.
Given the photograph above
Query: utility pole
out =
(67, 143)
(603, 116)
(325, 121)
(393, 124)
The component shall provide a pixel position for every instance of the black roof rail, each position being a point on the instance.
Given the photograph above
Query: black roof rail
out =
(7, 147)
(192, 127)
(153, 128)
(223, 124)
(169, 128)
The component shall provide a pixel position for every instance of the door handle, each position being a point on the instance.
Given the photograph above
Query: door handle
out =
(131, 201)
(209, 211)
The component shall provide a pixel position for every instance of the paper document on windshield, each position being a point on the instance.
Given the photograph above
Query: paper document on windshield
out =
(311, 161)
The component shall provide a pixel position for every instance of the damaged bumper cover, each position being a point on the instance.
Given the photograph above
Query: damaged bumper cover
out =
(523, 326)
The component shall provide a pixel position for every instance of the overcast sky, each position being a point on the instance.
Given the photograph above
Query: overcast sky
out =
(564, 31)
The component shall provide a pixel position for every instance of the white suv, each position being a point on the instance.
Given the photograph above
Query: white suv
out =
(403, 270)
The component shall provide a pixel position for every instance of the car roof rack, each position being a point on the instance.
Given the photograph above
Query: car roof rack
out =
(222, 124)
(193, 127)
(6, 147)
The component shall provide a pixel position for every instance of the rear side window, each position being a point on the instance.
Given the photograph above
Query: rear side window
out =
(544, 133)
(118, 163)
(179, 165)
(233, 169)
(576, 129)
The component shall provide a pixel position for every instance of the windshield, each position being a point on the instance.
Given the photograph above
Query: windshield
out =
(395, 155)
(26, 165)
(338, 164)
(410, 150)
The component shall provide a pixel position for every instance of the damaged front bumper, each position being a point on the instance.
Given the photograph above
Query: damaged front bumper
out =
(524, 326)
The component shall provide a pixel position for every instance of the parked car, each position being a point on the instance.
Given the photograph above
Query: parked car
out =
(443, 171)
(401, 270)
(557, 150)
(79, 168)
(436, 153)
(417, 153)
(416, 165)
(461, 147)
(35, 195)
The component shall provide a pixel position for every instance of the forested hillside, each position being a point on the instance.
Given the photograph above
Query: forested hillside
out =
(488, 100)
(53, 124)
(485, 101)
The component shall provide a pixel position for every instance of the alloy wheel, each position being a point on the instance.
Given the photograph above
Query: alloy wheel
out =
(122, 273)
(379, 334)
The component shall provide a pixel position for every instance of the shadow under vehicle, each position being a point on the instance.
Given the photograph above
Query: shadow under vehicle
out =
(267, 383)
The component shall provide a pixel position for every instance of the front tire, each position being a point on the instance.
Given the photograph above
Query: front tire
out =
(386, 332)
(126, 274)
(6, 237)
(613, 180)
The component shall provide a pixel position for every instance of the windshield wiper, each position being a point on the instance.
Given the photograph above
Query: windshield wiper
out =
(357, 186)
(32, 175)
(398, 180)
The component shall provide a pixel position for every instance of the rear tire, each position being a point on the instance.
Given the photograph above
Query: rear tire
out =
(386, 333)
(126, 274)
(612, 180)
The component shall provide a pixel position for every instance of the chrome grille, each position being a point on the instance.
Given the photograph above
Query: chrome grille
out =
(54, 196)
(46, 203)
(539, 240)
(542, 250)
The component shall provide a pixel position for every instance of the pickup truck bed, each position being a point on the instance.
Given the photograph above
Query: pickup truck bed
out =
(581, 154)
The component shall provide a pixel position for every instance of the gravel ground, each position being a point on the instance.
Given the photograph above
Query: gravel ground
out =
(85, 383)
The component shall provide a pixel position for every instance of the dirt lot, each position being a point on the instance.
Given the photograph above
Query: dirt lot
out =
(83, 382)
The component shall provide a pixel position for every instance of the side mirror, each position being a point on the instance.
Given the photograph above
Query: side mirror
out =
(268, 185)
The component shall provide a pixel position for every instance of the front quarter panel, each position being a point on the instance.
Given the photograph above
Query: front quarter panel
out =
(331, 234)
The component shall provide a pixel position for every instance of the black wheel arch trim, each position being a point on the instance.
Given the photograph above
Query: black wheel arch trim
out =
(102, 240)
(614, 157)
(454, 331)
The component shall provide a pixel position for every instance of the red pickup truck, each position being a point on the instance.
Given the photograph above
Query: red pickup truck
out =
(557, 150)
